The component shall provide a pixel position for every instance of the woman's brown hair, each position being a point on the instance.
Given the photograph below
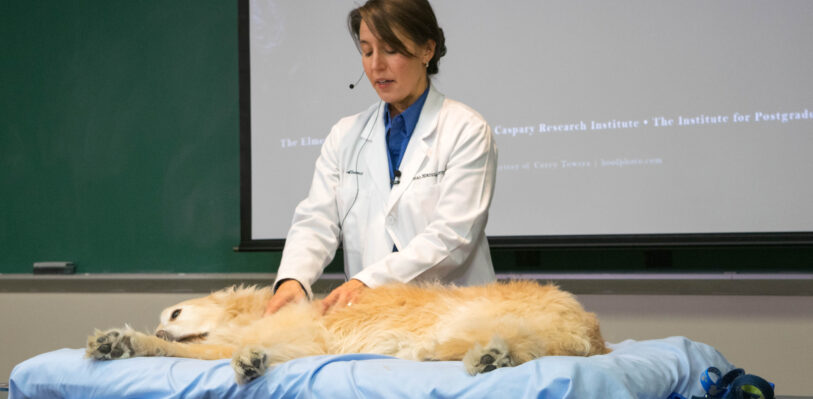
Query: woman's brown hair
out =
(412, 18)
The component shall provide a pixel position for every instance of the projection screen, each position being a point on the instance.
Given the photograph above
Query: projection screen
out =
(622, 122)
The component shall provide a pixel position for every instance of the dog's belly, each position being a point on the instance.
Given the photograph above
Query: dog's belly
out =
(423, 323)
(395, 334)
(401, 322)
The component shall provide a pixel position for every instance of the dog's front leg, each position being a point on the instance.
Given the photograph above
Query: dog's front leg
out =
(114, 344)
(125, 343)
(249, 363)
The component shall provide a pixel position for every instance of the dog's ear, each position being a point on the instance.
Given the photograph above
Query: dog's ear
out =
(240, 300)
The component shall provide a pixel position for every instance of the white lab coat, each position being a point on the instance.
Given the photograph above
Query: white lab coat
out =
(436, 216)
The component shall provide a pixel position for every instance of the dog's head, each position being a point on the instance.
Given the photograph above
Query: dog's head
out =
(194, 320)
(189, 321)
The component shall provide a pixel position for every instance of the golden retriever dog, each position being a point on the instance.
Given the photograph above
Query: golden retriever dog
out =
(490, 326)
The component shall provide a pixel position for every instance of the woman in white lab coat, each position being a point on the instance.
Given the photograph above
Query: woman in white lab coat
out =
(407, 211)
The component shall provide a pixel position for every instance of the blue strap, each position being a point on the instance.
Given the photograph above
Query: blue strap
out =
(717, 386)
(709, 380)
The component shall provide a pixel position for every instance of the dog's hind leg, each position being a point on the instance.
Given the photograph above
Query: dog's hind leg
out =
(482, 359)
(485, 345)
(516, 341)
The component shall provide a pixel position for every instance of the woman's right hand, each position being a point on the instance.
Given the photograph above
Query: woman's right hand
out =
(288, 291)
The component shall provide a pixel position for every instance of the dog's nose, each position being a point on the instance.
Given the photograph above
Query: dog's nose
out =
(163, 335)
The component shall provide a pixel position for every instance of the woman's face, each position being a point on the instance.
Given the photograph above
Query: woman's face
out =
(398, 79)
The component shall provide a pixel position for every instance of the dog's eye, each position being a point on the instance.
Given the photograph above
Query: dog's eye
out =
(175, 314)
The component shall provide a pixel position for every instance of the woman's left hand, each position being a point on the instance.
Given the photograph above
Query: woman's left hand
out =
(343, 295)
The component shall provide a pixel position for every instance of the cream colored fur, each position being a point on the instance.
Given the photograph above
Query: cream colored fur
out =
(496, 325)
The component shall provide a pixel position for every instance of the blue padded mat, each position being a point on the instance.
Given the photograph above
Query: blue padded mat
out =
(635, 369)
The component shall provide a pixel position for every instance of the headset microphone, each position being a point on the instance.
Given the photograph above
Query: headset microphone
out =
(353, 85)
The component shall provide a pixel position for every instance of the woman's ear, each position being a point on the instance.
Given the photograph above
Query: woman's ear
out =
(429, 49)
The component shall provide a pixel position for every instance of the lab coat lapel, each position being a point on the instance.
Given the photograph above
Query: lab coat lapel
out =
(418, 148)
(375, 157)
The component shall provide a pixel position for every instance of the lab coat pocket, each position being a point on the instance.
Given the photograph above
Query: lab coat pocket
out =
(419, 201)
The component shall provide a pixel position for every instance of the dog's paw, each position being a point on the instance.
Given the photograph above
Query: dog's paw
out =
(248, 364)
(110, 344)
(482, 360)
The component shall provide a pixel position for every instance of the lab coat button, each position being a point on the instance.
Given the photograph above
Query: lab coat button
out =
(390, 219)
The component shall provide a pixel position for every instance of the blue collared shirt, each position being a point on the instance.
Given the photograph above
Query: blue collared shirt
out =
(399, 131)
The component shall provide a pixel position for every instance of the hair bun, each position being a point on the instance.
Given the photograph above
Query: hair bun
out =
(440, 51)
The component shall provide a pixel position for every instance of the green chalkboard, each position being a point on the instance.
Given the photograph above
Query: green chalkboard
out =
(119, 149)
(120, 144)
